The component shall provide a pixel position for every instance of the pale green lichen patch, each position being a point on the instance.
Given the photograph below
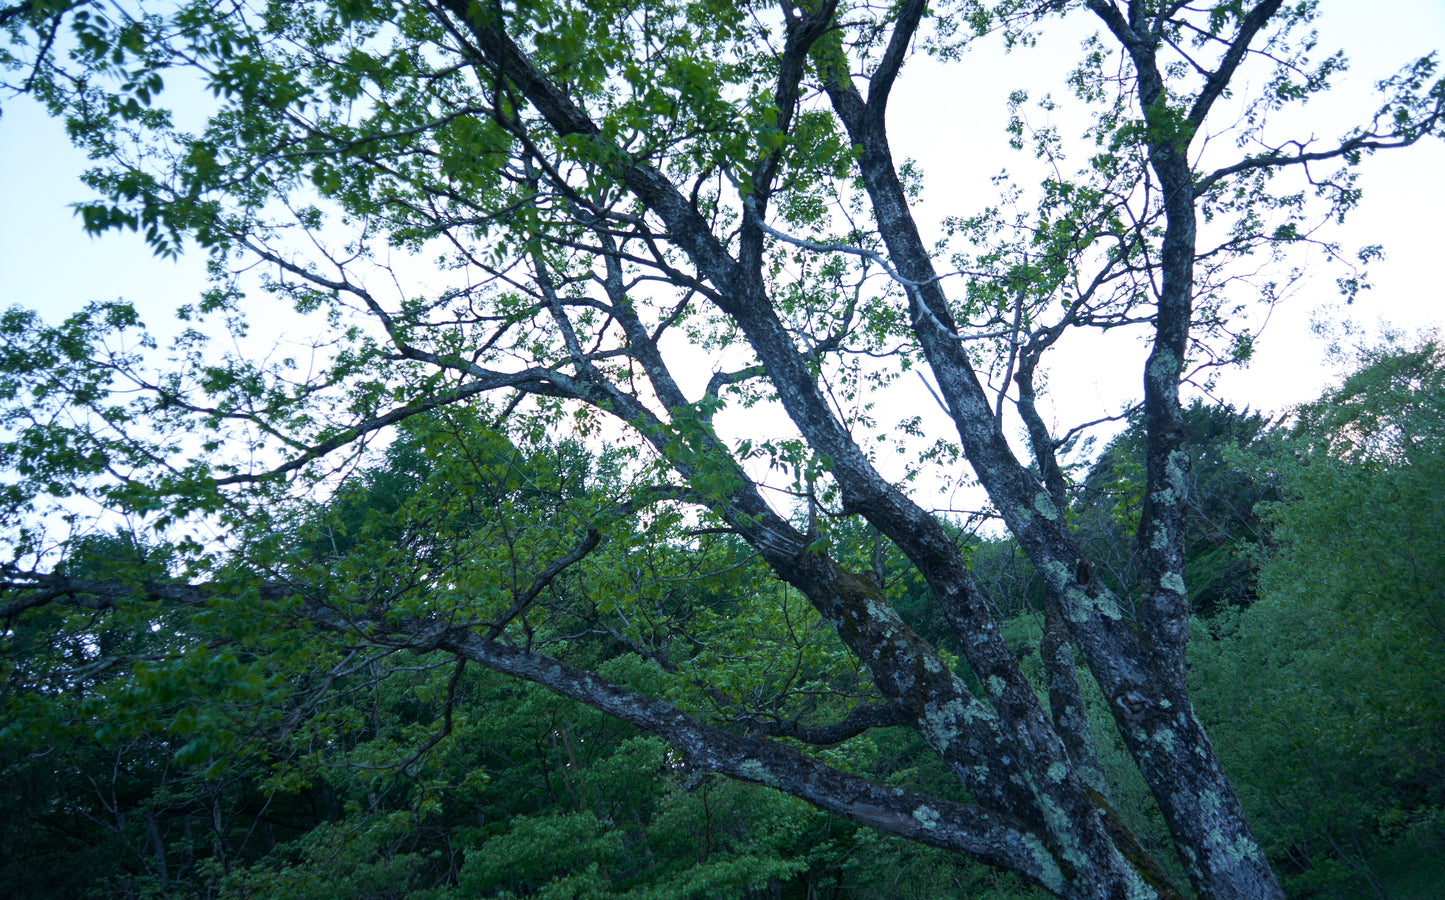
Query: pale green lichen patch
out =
(1178, 463)
(1108, 607)
(1244, 848)
(926, 817)
(1211, 802)
(1173, 581)
(944, 722)
(882, 612)
(1164, 367)
(1057, 822)
(752, 770)
(1138, 889)
(1164, 737)
(1050, 875)
(1056, 572)
(940, 725)
(1232, 853)
(996, 685)
(1191, 861)
(978, 711)
(1080, 604)
(1058, 772)
(1226, 854)
(1045, 507)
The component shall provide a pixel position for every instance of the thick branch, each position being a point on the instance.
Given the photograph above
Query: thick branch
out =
(859, 720)
(1220, 78)
(969, 829)
(884, 77)
(963, 828)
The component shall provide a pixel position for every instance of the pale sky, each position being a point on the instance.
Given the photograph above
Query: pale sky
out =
(954, 129)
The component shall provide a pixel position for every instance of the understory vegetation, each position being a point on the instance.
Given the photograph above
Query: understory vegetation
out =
(230, 751)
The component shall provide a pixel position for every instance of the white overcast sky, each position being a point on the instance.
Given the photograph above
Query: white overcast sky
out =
(954, 129)
(953, 126)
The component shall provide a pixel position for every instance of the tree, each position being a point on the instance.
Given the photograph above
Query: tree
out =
(618, 190)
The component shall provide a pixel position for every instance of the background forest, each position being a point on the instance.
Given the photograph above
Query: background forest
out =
(165, 753)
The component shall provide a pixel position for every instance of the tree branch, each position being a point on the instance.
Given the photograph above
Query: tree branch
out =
(974, 830)
(1219, 80)
(858, 720)
(881, 86)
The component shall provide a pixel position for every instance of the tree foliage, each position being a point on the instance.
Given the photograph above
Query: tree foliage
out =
(647, 225)
(1220, 517)
(1323, 692)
